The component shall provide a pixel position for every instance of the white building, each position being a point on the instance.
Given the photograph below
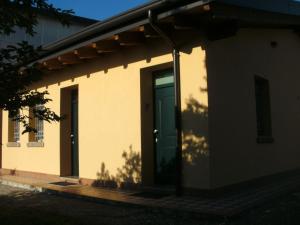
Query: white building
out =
(49, 29)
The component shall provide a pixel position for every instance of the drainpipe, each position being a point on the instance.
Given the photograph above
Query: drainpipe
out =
(177, 103)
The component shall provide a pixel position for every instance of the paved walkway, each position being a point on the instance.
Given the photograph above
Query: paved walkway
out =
(228, 205)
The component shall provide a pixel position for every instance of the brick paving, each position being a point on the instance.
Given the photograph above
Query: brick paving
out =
(225, 206)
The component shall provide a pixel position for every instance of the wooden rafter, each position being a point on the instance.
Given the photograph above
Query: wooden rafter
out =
(130, 38)
(149, 32)
(87, 52)
(69, 59)
(106, 46)
(53, 64)
(138, 29)
(40, 65)
(206, 8)
(180, 23)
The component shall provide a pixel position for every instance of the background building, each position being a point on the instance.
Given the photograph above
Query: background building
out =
(48, 30)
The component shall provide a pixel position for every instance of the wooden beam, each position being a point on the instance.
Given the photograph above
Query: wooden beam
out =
(69, 59)
(86, 53)
(106, 46)
(183, 23)
(53, 64)
(138, 29)
(130, 38)
(179, 25)
(206, 8)
(149, 32)
(40, 65)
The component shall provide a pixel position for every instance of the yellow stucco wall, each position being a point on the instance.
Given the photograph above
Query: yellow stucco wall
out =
(110, 113)
(195, 141)
(231, 66)
(44, 160)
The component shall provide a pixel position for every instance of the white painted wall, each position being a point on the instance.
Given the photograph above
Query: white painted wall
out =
(48, 30)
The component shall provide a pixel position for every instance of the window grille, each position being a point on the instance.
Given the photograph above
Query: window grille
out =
(263, 110)
(39, 125)
(16, 132)
(13, 129)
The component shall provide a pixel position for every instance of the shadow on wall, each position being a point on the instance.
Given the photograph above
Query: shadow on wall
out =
(195, 141)
(128, 176)
(195, 153)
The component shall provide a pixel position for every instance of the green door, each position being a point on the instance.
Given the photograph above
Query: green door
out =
(74, 133)
(165, 131)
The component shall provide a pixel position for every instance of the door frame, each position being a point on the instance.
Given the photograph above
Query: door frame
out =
(74, 170)
(65, 159)
(147, 120)
(155, 74)
(1, 137)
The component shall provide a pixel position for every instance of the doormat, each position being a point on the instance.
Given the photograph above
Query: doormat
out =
(151, 195)
(63, 183)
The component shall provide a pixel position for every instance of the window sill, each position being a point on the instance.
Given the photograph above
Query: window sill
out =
(265, 140)
(35, 144)
(13, 144)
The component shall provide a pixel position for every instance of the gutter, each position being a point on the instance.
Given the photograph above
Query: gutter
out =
(177, 104)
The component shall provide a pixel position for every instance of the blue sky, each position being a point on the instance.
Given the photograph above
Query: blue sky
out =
(97, 9)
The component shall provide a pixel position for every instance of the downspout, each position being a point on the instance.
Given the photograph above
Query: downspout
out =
(177, 103)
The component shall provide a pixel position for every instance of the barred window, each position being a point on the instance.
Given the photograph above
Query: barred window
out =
(36, 123)
(263, 110)
(13, 130)
(16, 131)
(39, 126)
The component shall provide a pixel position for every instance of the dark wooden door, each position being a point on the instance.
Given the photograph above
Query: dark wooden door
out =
(165, 131)
(74, 133)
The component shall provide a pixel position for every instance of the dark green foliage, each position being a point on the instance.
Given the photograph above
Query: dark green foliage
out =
(16, 73)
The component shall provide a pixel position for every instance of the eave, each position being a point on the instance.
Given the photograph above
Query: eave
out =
(132, 29)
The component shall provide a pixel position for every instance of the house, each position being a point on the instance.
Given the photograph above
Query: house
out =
(190, 94)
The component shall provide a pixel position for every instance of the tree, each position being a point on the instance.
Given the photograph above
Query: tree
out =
(16, 72)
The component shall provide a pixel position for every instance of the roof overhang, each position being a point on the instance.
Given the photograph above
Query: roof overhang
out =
(132, 28)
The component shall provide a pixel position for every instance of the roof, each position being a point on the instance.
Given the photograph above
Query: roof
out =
(137, 16)
(83, 20)
(133, 25)
(73, 18)
(291, 7)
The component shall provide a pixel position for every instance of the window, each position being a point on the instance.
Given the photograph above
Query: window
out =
(36, 123)
(39, 125)
(13, 130)
(263, 110)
